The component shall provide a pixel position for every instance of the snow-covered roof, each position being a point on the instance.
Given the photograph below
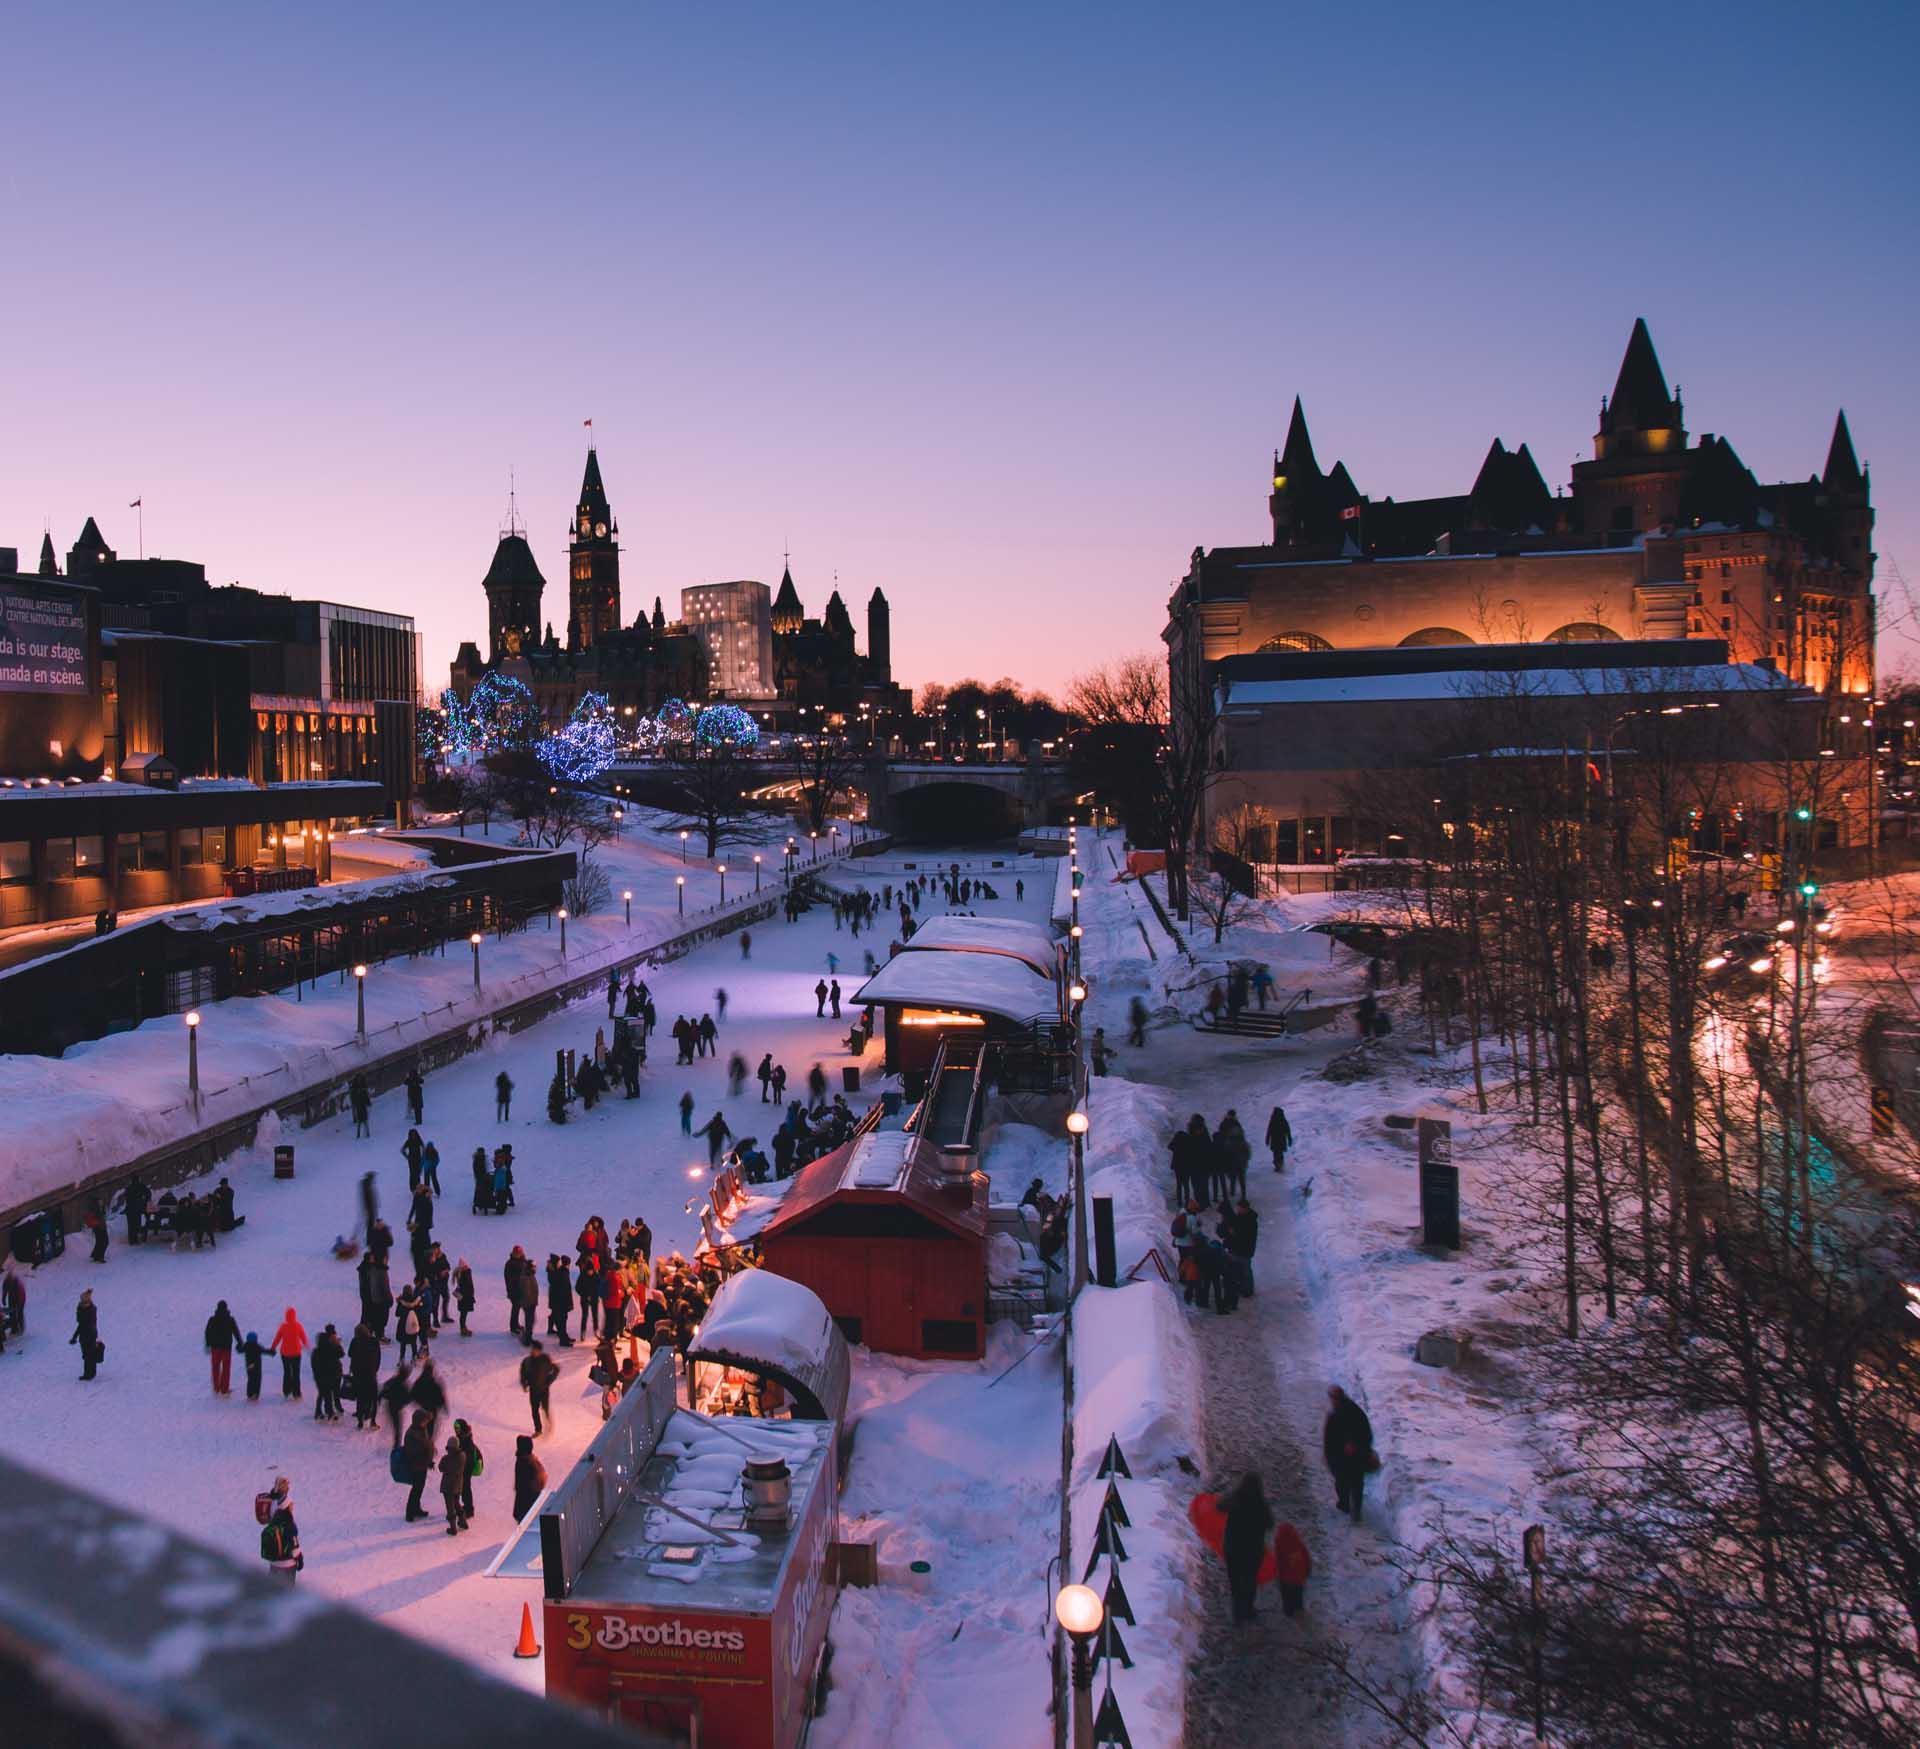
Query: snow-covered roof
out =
(765, 1323)
(1026, 942)
(974, 983)
(1474, 683)
(878, 1160)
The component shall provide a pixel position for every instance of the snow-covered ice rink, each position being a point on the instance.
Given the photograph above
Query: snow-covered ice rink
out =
(941, 1469)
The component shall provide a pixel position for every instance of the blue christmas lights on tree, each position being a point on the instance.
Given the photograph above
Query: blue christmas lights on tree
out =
(501, 716)
(725, 725)
(586, 746)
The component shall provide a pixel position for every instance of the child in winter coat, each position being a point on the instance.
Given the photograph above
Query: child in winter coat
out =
(280, 1538)
(1295, 1566)
(251, 1356)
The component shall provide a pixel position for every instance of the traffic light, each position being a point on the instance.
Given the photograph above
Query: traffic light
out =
(1808, 889)
(1803, 813)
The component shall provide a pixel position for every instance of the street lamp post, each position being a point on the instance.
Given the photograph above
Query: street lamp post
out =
(619, 814)
(815, 839)
(833, 842)
(193, 1057)
(1074, 935)
(360, 993)
(473, 941)
(563, 932)
(1077, 1128)
(626, 898)
(721, 869)
(1078, 1609)
(683, 847)
(680, 889)
(756, 871)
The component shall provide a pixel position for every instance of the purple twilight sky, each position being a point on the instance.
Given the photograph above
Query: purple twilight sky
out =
(1000, 308)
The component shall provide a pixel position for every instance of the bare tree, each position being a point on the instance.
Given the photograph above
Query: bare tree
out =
(823, 766)
(1131, 691)
(713, 781)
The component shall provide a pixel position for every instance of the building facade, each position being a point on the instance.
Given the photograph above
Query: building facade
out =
(1654, 537)
(219, 681)
(735, 623)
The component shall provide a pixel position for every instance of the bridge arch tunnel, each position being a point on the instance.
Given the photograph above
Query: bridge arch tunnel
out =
(954, 813)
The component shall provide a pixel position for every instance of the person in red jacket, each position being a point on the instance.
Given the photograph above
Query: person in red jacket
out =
(289, 1342)
(1294, 1566)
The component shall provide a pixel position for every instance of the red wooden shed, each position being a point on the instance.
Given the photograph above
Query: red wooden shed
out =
(893, 1242)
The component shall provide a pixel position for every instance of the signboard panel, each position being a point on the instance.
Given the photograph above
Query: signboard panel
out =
(43, 644)
(1439, 1184)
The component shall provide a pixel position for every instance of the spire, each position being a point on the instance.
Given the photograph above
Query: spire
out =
(1842, 472)
(1640, 401)
(659, 618)
(591, 490)
(48, 567)
(787, 611)
(1296, 463)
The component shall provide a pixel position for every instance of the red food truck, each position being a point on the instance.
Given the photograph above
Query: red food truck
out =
(686, 1561)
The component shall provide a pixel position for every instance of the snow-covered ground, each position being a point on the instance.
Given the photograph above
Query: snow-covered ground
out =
(1344, 1292)
(109, 1100)
(947, 1467)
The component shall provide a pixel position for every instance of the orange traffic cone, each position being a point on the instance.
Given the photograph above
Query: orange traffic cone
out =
(529, 1647)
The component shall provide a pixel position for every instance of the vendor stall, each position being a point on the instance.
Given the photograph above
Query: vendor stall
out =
(687, 1567)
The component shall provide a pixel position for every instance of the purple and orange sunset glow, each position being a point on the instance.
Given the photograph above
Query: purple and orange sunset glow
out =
(1001, 310)
(1037, 876)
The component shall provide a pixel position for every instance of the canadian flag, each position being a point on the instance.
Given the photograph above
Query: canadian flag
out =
(1351, 513)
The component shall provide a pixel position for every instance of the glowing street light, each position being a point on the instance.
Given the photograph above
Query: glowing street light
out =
(680, 887)
(815, 837)
(1078, 1609)
(360, 991)
(756, 871)
(1077, 1128)
(626, 898)
(563, 932)
(193, 1056)
(683, 847)
(722, 870)
(473, 941)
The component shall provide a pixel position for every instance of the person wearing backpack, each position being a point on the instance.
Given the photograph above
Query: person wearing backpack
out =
(280, 1536)
(476, 1467)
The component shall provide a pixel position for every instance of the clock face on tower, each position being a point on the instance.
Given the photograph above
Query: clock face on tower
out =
(600, 530)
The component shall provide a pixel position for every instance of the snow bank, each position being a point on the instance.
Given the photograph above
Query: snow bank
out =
(1137, 1379)
(957, 1466)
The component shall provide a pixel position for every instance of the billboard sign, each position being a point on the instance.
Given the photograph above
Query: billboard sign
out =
(43, 644)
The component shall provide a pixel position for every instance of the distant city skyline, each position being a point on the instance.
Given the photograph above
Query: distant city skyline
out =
(1000, 313)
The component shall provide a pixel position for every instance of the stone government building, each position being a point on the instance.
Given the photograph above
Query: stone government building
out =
(735, 640)
(1656, 538)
